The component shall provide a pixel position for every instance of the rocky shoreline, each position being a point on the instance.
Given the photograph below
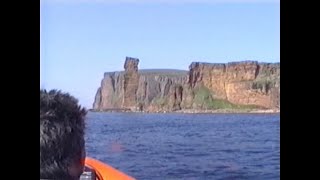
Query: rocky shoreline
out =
(197, 111)
(230, 111)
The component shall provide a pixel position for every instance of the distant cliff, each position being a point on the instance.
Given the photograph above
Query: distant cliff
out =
(236, 85)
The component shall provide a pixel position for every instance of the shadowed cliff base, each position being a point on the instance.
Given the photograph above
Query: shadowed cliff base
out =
(245, 86)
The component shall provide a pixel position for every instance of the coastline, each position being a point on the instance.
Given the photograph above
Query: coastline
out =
(230, 111)
(198, 111)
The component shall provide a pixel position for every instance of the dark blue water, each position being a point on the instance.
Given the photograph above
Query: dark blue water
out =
(187, 146)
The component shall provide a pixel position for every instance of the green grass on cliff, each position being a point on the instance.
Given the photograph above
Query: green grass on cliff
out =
(160, 101)
(202, 96)
(223, 104)
(163, 72)
(203, 99)
(264, 83)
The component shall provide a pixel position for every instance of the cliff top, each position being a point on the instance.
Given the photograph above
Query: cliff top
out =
(235, 63)
(155, 72)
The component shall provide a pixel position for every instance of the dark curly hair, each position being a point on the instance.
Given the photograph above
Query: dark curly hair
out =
(61, 134)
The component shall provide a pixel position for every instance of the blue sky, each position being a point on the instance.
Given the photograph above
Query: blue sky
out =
(80, 40)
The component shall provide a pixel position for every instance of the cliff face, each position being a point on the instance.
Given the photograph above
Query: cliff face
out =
(205, 86)
(246, 83)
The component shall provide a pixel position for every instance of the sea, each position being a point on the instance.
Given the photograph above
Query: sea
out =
(174, 146)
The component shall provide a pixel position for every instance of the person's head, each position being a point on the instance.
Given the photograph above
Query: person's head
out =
(62, 146)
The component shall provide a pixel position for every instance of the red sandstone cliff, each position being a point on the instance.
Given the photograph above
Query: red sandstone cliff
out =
(205, 86)
(246, 83)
